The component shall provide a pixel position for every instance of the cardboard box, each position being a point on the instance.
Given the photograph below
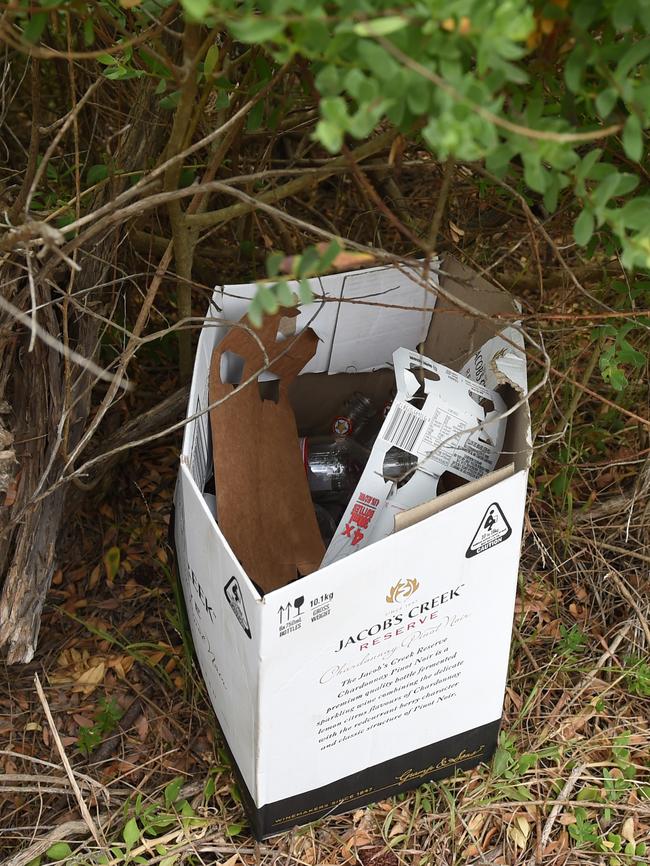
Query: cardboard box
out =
(386, 668)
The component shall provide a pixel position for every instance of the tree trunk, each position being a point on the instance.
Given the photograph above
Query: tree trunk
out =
(50, 408)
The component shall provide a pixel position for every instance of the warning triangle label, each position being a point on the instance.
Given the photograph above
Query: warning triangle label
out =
(236, 602)
(492, 530)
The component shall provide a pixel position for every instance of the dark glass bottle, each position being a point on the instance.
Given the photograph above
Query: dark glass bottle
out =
(353, 415)
(334, 465)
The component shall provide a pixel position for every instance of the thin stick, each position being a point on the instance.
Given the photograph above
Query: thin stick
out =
(627, 595)
(555, 811)
(85, 813)
(441, 203)
(67, 830)
(614, 548)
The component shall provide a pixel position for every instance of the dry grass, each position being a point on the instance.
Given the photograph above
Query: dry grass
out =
(571, 775)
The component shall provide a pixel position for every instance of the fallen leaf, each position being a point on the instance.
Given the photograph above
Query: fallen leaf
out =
(358, 838)
(476, 822)
(112, 564)
(519, 831)
(142, 727)
(93, 580)
(90, 679)
(627, 830)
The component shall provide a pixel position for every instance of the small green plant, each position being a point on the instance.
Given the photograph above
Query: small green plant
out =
(107, 717)
(510, 768)
(591, 827)
(637, 676)
(619, 358)
(572, 640)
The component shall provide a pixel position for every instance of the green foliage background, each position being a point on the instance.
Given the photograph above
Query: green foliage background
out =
(550, 98)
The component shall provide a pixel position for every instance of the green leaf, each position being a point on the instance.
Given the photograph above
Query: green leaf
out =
(58, 851)
(256, 29)
(197, 10)
(527, 761)
(306, 294)
(632, 57)
(633, 138)
(502, 759)
(308, 261)
(285, 296)
(255, 116)
(112, 559)
(170, 101)
(172, 790)
(587, 163)
(534, 173)
(634, 214)
(96, 173)
(211, 60)
(623, 14)
(329, 135)
(268, 300)
(131, 833)
(329, 255)
(89, 31)
(234, 829)
(584, 228)
(255, 312)
(381, 26)
(273, 262)
(328, 81)
(605, 101)
(589, 793)
(107, 60)
(574, 68)
(35, 27)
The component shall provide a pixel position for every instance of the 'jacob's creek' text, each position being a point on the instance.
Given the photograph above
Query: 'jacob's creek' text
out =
(421, 671)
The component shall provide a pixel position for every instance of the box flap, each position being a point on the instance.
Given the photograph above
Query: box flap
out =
(360, 317)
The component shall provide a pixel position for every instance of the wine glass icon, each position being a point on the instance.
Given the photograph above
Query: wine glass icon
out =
(298, 603)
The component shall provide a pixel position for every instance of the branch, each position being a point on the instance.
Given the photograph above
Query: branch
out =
(249, 203)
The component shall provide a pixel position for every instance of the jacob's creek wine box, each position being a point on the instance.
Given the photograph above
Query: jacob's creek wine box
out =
(387, 667)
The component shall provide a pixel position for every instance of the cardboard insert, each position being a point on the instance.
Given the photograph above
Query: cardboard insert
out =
(263, 500)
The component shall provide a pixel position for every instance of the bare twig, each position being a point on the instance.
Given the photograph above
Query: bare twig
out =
(441, 203)
(562, 800)
(634, 604)
(85, 813)
(62, 832)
